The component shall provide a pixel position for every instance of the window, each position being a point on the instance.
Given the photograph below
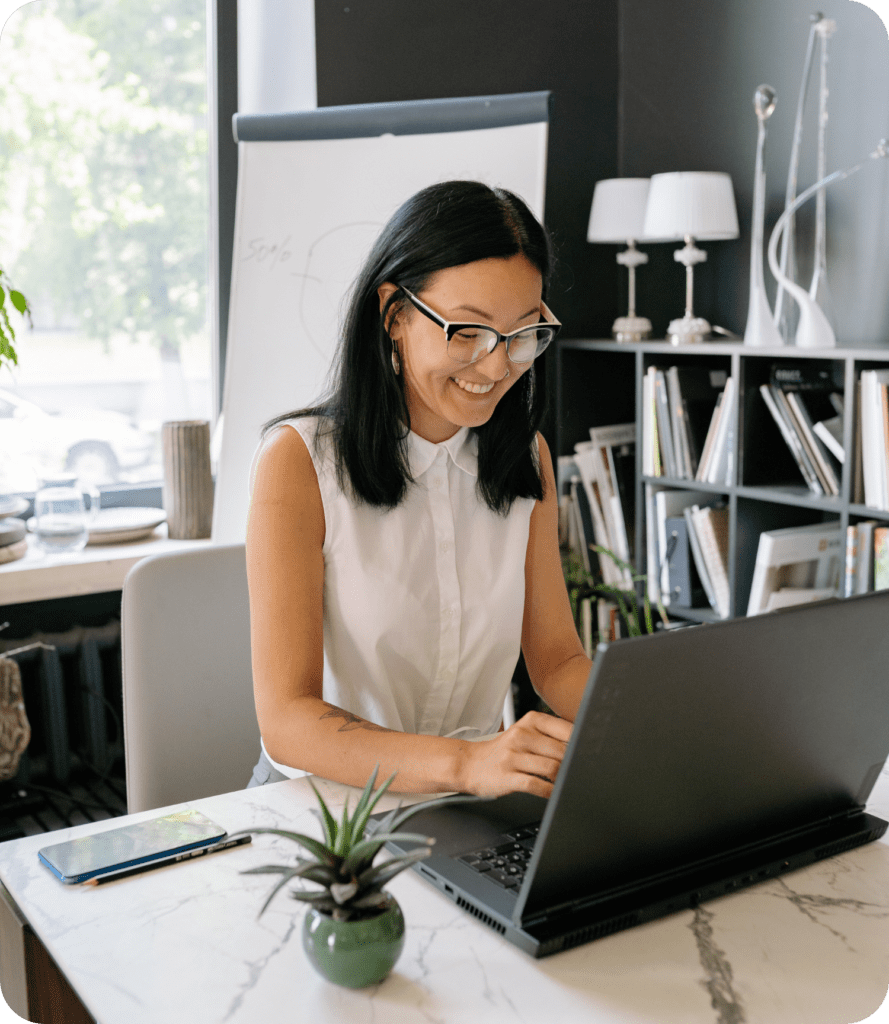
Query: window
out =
(104, 227)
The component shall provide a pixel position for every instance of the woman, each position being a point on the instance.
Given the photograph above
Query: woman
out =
(402, 536)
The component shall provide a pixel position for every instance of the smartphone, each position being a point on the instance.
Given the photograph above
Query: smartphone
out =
(80, 859)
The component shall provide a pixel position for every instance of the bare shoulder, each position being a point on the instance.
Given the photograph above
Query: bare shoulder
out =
(286, 479)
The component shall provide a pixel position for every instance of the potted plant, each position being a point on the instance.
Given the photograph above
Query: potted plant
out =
(353, 930)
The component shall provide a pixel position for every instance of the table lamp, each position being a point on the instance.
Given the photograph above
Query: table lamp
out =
(690, 205)
(616, 216)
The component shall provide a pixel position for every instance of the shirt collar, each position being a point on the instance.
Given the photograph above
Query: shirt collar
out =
(462, 449)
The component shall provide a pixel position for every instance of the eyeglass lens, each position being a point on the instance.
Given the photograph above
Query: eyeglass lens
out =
(474, 342)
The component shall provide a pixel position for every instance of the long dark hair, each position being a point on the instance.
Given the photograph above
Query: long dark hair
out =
(442, 226)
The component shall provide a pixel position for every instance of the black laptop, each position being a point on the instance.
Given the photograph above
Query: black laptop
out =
(702, 760)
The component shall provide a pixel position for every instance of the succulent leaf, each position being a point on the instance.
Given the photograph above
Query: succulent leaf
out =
(327, 819)
(371, 900)
(325, 855)
(342, 840)
(363, 853)
(360, 821)
(381, 874)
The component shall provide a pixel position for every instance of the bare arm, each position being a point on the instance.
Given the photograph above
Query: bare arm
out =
(554, 655)
(285, 569)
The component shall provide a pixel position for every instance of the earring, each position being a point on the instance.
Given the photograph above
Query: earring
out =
(396, 362)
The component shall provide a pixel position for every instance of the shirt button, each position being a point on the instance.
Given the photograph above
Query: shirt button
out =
(444, 547)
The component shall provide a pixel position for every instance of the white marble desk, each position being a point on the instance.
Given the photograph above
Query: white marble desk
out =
(181, 945)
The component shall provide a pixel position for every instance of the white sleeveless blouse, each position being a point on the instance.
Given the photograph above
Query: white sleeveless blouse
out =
(423, 603)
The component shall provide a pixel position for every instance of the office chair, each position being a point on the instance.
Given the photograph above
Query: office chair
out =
(190, 725)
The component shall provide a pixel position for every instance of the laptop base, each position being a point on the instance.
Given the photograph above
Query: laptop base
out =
(597, 917)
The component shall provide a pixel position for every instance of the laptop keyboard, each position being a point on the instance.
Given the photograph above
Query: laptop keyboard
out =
(505, 863)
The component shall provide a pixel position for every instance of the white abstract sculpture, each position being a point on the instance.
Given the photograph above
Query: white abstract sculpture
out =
(785, 314)
(814, 330)
(761, 329)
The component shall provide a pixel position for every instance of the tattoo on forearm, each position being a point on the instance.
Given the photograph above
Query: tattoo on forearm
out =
(351, 721)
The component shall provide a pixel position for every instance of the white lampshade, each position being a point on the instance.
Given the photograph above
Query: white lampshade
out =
(618, 209)
(700, 204)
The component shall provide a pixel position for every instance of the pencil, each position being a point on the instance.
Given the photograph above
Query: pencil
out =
(112, 876)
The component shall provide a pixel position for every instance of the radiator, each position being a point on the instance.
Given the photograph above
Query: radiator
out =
(70, 692)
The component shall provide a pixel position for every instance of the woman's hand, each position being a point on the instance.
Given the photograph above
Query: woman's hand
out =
(523, 759)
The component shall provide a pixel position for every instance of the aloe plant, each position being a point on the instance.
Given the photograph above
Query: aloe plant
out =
(343, 864)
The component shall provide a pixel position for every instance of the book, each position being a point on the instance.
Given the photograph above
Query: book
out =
(881, 558)
(864, 567)
(664, 426)
(786, 597)
(851, 560)
(774, 400)
(874, 409)
(699, 560)
(806, 375)
(796, 556)
(830, 432)
(685, 584)
(704, 463)
(669, 502)
(711, 526)
(817, 454)
(721, 467)
(679, 425)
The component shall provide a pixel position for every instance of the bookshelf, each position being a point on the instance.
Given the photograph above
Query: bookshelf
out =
(600, 383)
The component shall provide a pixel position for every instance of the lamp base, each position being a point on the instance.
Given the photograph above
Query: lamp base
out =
(631, 328)
(689, 330)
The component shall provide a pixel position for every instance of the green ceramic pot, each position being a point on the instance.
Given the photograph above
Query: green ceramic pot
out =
(354, 953)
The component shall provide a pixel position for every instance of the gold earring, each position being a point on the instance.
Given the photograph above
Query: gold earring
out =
(396, 362)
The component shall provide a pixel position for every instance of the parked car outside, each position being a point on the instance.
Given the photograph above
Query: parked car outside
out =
(100, 446)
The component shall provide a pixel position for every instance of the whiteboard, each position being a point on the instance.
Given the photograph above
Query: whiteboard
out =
(308, 211)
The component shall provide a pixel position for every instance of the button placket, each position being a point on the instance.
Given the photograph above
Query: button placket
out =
(449, 595)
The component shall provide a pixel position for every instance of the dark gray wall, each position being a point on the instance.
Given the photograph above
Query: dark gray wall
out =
(373, 52)
(688, 71)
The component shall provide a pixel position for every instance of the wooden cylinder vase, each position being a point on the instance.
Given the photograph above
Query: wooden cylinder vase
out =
(188, 482)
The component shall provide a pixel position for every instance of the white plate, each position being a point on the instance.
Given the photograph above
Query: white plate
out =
(12, 506)
(117, 525)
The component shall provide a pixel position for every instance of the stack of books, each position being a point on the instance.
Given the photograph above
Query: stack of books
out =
(688, 416)
(687, 549)
(871, 478)
(867, 558)
(597, 498)
(809, 413)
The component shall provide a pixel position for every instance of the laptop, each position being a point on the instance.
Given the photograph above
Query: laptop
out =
(702, 760)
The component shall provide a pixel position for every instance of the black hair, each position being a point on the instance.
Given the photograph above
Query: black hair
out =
(445, 225)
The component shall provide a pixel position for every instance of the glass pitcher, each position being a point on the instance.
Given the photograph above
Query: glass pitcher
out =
(61, 516)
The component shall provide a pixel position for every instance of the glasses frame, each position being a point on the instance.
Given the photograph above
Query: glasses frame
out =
(451, 327)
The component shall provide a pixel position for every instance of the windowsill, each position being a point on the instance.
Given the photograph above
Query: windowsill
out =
(95, 570)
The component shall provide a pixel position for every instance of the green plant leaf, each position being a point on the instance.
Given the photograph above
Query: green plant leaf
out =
(325, 855)
(327, 820)
(364, 852)
(311, 870)
(368, 901)
(343, 837)
(382, 873)
(287, 875)
(365, 795)
(19, 301)
(443, 801)
(359, 822)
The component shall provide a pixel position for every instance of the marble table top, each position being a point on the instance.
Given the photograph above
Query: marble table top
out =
(182, 944)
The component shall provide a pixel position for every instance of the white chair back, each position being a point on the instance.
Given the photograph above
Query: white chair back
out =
(190, 725)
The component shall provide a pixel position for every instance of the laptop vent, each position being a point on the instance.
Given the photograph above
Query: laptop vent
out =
(481, 915)
(595, 931)
(832, 849)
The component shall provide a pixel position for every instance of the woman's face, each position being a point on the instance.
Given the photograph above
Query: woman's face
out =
(505, 294)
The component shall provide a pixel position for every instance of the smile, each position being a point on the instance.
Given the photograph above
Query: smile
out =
(475, 389)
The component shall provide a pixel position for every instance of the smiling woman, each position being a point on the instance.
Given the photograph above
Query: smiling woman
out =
(402, 537)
